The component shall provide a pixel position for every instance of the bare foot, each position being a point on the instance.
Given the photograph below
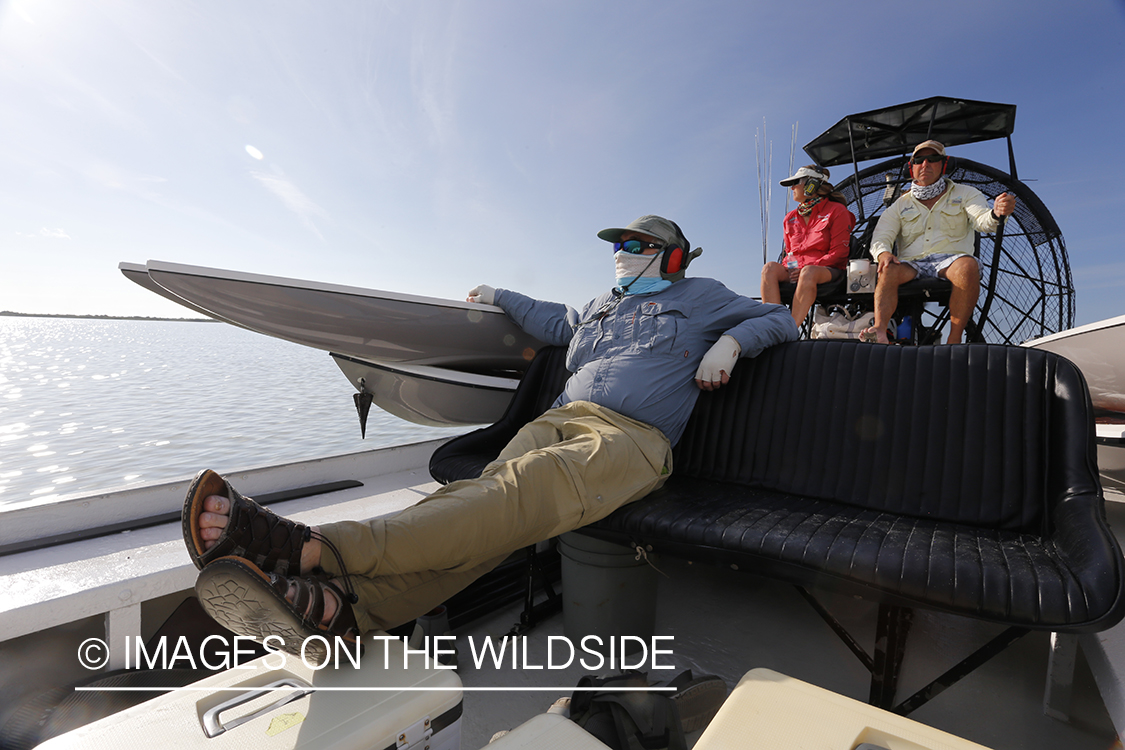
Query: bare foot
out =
(216, 514)
(874, 335)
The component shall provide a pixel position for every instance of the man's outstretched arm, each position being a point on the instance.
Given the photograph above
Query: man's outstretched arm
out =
(764, 326)
(550, 322)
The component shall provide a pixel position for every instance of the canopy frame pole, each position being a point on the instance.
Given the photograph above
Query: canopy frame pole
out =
(855, 171)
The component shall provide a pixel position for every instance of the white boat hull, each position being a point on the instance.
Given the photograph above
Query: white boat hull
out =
(1111, 455)
(1099, 351)
(138, 274)
(366, 323)
(430, 395)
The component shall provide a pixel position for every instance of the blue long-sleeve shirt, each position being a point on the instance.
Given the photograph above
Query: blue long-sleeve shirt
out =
(640, 357)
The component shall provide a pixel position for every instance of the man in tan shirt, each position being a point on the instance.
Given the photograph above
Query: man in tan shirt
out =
(933, 225)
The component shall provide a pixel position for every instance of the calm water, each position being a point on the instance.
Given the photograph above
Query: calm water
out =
(88, 405)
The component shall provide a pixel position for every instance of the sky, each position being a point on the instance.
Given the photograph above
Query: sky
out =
(426, 146)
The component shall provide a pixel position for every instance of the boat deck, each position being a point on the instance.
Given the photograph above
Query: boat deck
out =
(723, 622)
(726, 623)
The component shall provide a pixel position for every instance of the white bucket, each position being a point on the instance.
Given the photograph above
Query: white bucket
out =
(861, 276)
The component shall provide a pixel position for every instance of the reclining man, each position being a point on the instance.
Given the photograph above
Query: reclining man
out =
(639, 355)
(933, 224)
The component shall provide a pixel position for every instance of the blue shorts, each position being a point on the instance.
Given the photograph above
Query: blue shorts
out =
(929, 266)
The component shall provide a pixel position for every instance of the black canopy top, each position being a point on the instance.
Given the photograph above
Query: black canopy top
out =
(894, 131)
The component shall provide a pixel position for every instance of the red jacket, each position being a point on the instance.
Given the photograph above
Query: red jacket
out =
(823, 241)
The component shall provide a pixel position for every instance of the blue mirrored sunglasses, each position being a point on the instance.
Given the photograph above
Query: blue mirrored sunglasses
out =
(636, 246)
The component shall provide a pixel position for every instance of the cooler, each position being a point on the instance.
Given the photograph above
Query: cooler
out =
(548, 732)
(381, 705)
(767, 709)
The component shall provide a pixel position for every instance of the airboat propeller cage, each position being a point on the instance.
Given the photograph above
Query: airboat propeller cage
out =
(1026, 285)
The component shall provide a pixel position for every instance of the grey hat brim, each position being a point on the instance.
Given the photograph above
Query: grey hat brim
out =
(611, 235)
(653, 226)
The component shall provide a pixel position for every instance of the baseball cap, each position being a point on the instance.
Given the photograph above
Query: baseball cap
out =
(929, 144)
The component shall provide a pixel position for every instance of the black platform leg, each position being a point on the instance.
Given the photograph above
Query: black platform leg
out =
(890, 644)
(534, 613)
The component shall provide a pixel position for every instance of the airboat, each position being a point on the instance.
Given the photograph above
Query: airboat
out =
(1026, 286)
(71, 575)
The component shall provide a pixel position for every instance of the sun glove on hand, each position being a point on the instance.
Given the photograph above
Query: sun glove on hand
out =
(719, 359)
(483, 294)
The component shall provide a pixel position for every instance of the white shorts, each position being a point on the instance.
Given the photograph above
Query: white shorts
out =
(929, 266)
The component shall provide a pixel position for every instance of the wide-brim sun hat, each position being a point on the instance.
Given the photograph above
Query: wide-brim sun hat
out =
(654, 226)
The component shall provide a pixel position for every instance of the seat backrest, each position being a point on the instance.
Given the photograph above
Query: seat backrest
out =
(857, 247)
(465, 456)
(983, 434)
(539, 387)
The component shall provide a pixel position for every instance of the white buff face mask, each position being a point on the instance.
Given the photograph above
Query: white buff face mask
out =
(639, 274)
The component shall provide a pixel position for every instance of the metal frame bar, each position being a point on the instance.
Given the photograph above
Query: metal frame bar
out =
(839, 629)
(533, 613)
(891, 632)
(962, 669)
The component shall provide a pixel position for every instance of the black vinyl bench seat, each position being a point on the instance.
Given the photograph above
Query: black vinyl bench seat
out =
(955, 478)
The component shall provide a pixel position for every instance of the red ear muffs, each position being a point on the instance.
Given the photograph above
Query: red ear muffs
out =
(673, 260)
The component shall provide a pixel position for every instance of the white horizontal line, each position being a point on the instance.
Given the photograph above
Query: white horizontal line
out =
(447, 688)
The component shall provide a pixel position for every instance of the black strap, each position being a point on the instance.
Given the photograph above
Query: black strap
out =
(629, 720)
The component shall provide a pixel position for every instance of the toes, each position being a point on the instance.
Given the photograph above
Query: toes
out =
(212, 522)
(217, 504)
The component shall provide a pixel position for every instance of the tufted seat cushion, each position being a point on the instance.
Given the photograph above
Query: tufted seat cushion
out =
(957, 478)
(971, 434)
(992, 574)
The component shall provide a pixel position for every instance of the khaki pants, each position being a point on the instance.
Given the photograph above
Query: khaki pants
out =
(570, 467)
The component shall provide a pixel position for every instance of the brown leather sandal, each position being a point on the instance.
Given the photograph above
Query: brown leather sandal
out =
(264, 538)
(246, 600)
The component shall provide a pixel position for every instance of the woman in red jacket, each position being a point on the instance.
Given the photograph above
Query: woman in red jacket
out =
(817, 234)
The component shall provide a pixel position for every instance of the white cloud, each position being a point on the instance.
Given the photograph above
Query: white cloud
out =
(51, 234)
(22, 12)
(293, 198)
